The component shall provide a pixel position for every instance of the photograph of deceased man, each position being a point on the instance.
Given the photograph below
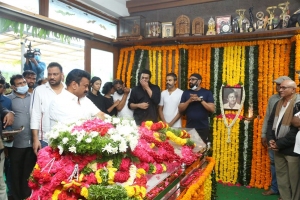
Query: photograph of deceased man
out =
(232, 98)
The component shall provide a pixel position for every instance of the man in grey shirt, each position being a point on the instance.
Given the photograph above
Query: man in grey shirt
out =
(21, 154)
(272, 101)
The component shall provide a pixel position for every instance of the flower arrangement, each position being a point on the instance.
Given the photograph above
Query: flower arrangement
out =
(110, 159)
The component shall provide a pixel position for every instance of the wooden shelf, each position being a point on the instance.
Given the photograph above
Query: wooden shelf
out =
(233, 37)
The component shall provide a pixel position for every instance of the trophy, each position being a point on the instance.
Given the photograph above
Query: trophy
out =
(260, 24)
(241, 13)
(251, 27)
(211, 27)
(284, 17)
(271, 10)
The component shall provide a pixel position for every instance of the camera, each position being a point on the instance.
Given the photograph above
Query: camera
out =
(29, 53)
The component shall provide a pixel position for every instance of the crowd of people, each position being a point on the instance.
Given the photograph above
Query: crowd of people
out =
(39, 106)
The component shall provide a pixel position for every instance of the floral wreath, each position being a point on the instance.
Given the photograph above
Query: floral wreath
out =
(229, 126)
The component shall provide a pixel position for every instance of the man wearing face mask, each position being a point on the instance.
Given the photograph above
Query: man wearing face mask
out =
(35, 64)
(197, 103)
(122, 94)
(22, 157)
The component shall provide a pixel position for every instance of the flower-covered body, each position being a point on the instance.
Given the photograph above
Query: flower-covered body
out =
(95, 159)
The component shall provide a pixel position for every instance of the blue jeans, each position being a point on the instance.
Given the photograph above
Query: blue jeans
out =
(43, 143)
(274, 186)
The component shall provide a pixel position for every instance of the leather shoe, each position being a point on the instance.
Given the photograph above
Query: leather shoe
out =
(269, 192)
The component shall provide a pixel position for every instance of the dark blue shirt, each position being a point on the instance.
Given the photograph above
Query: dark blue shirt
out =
(197, 115)
(6, 103)
(38, 69)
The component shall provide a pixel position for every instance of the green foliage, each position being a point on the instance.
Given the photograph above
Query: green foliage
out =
(20, 28)
(114, 192)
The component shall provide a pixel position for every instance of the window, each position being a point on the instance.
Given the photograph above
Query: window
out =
(28, 5)
(68, 14)
(102, 65)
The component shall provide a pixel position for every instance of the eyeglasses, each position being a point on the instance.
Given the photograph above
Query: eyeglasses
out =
(193, 79)
(284, 87)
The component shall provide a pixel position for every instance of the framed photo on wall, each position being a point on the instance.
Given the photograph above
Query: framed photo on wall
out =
(232, 98)
(222, 22)
(167, 30)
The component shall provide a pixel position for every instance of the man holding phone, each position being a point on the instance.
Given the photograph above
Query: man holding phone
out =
(144, 99)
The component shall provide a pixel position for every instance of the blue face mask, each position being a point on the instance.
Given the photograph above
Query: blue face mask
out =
(37, 57)
(22, 89)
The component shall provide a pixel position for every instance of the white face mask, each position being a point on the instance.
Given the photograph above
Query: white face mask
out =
(194, 87)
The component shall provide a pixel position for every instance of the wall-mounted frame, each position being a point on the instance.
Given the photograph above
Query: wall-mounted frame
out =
(167, 30)
(232, 98)
(220, 19)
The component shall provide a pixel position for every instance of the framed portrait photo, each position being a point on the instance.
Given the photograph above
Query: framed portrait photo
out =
(167, 31)
(232, 98)
(223, 24)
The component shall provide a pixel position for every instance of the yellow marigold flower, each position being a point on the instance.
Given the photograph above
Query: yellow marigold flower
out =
(55, 194)
(164, 167)
(110, 164)
(92, 166)
(152, 145)
(81, 176)
(137, 190)
(36, 166)
(143, 191)
(130, 190)
(98, 177)
(84, 192)
(111, 175)
(154, 170)
(148, 124)
(141, 171)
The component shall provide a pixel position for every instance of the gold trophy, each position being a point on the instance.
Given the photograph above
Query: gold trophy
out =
(241, 13)
(271, 11)
(211, 27)
(284, 7)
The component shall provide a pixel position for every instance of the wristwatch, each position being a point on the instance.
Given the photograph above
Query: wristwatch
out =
(201, 99)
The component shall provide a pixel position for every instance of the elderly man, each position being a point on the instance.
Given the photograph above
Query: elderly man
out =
(272, 101)
(281, 136)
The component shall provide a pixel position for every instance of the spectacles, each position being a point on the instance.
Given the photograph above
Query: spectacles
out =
(193, 79)
(284, 87)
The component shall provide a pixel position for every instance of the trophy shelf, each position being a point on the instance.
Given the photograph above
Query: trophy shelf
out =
(212, 39)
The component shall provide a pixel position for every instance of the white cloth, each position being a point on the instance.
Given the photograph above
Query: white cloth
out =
(39, 109)
(236, 106)
(3, 195)
(125, 112)
(280, 116)
(297, 142)
(170, 103)
(66, 108)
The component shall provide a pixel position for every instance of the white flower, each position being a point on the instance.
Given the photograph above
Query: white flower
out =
(110, 149)
(65, 140)
(107, 148)
(116, 137)
(88, 140)
(94, 134)
(79, 138)
(111, 131)
(72, 149)
(122, 146)
(61, 149)
(133, 143)
(115, 120)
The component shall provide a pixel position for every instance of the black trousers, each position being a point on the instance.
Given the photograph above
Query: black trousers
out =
(204, 134)
(22, 161)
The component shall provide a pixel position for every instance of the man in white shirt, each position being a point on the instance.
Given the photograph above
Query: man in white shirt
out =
(72, 104)
(40, 104)
(169, 102)
(122, 94)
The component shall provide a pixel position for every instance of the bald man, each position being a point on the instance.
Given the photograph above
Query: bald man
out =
(281, 137)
